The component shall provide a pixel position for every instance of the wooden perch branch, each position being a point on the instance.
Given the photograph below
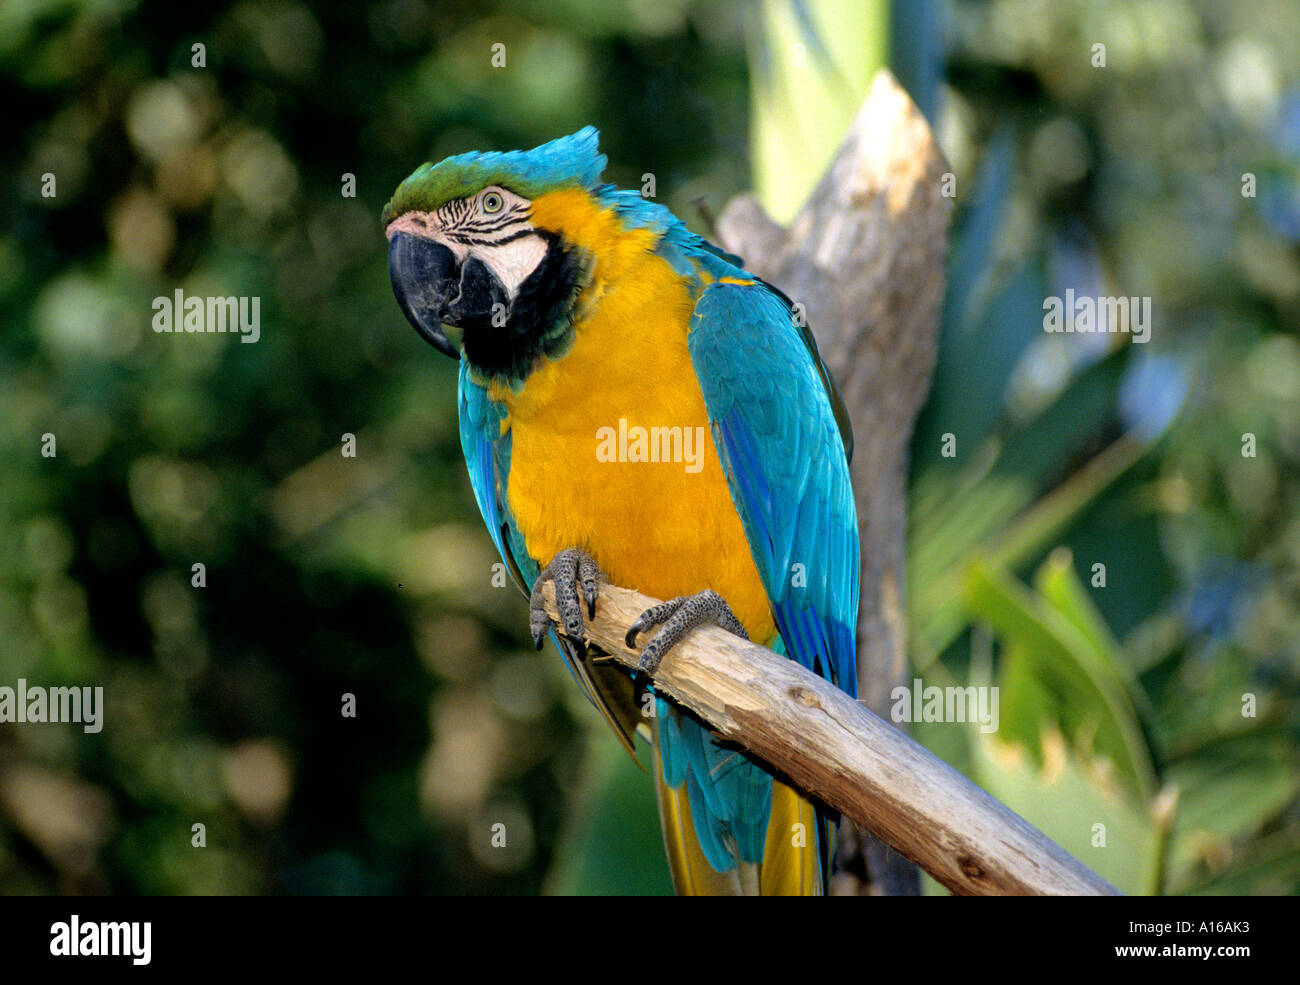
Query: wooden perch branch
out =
(832, 746)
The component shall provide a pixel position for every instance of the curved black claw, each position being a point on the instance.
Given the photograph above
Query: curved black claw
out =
(679, 616)
(569, 569)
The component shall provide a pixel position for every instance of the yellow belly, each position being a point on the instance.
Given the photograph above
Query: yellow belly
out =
(666, 528)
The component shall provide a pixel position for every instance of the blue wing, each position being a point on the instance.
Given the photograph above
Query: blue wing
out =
(771, 408)
(776, 434)
(487, 455)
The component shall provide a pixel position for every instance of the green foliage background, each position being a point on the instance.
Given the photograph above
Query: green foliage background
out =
(1120, 705)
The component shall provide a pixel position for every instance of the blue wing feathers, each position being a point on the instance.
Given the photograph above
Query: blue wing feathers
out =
(777, 439)
(780, 448)
(487, 456)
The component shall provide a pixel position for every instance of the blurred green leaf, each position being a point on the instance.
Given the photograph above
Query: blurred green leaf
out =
(1075, 689)
(1067, 803)
(1228, 791)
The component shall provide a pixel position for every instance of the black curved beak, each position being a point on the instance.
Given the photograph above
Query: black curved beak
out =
(426, 280)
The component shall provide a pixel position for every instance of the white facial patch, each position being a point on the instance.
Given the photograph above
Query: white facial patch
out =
(465, 228)
(513, 262)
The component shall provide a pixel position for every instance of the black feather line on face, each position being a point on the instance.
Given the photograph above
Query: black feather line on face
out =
(538, 322)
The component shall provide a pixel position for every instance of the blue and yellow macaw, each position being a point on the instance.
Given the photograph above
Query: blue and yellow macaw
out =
(577, 309)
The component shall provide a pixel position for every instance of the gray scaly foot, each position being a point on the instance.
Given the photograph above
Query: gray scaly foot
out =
(569, 569)
(679, 616)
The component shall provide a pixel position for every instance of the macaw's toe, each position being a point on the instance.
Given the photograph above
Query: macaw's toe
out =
(570, 570)
(679, 616)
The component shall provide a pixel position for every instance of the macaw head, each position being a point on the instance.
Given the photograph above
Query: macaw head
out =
(471, 270)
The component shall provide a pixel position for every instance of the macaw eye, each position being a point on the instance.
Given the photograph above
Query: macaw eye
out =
(493, 202)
